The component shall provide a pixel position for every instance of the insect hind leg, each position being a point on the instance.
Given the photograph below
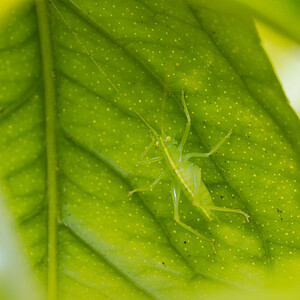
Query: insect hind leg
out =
(232, 210)
(188, 124)
(176, 197)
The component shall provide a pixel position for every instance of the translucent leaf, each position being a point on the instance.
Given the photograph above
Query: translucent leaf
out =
(73, 75)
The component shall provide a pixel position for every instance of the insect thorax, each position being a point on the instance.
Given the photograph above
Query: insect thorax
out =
(171, 153)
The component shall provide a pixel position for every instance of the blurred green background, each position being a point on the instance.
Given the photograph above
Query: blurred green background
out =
(284, 54)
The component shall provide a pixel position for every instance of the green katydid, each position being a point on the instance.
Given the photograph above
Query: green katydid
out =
(186, 175)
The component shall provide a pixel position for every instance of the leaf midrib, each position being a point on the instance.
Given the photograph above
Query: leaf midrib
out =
(50, 130)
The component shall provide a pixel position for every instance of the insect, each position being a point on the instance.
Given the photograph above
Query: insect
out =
(186, 176)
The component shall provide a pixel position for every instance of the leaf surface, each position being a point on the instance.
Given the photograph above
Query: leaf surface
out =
(72, 75)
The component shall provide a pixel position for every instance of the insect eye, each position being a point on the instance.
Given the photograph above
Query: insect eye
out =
(168, 138)
(157, 143)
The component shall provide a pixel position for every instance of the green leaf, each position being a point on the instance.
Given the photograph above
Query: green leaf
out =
(282, 15)
(72, 75)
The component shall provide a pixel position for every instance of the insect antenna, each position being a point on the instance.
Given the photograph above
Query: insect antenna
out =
(83, 47)
(147, 124)
(163, 104)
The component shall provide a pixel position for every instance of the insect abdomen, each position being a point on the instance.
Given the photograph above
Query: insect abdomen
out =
(189, 176)
(203, 195)
(194, 188)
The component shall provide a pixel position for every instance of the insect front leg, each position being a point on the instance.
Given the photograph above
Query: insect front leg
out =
(150, 160)
(212, 151)
(149, 146)
(176, 198)
(147, 188)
